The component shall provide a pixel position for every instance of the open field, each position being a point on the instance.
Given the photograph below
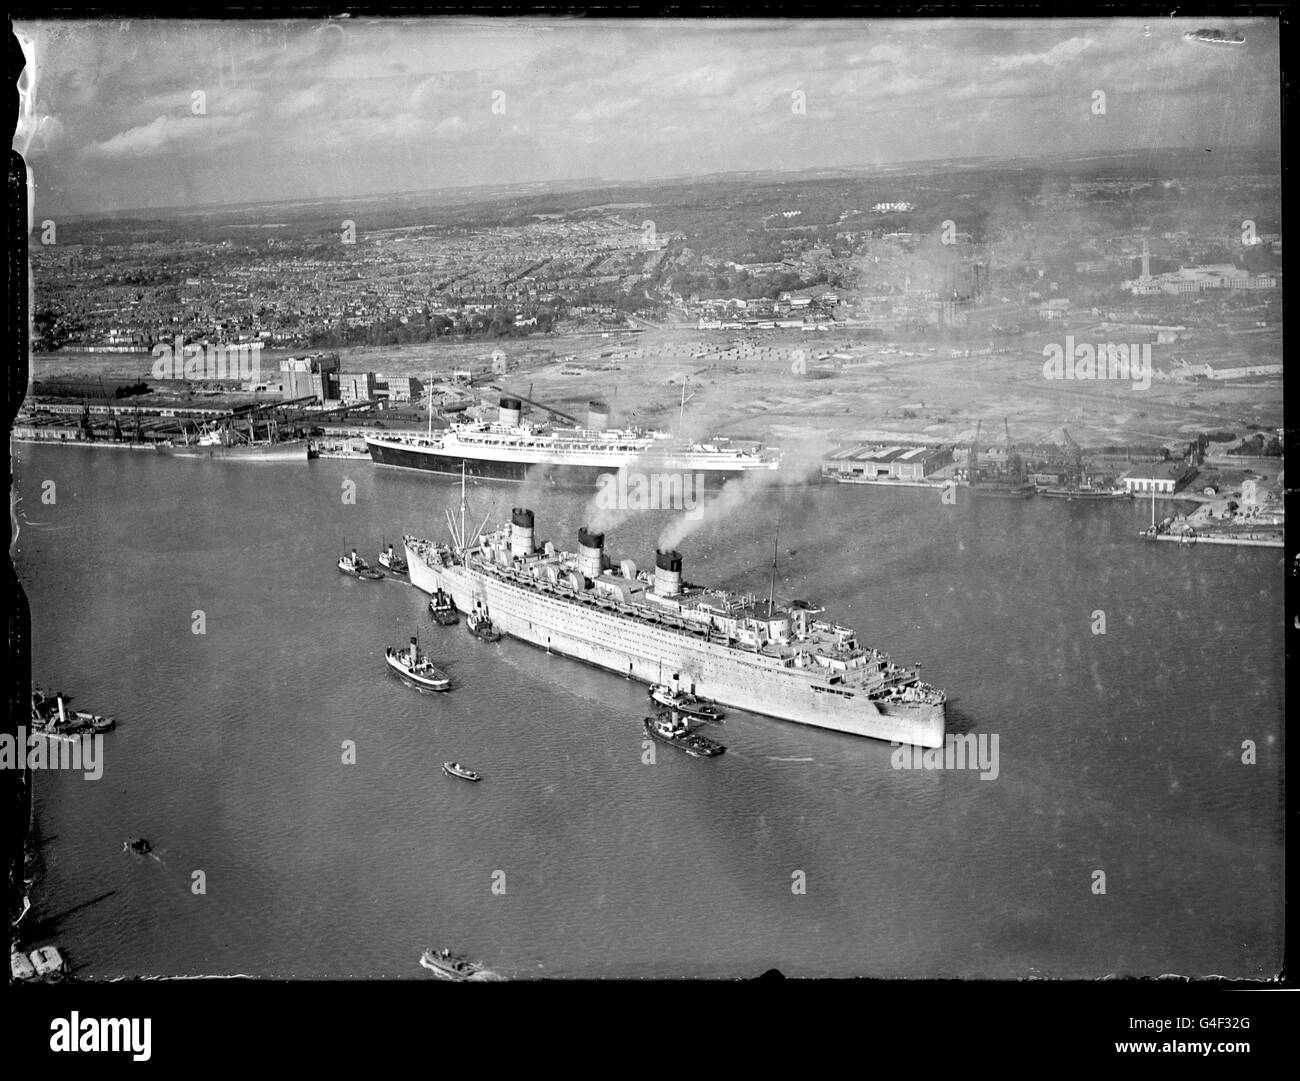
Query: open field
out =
(759, 394)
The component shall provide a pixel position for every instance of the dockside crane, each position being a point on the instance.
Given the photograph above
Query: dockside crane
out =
(1076, 458)
(1015, 464)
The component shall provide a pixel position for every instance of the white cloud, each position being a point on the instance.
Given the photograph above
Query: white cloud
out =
(1061, 53)
(161, 133)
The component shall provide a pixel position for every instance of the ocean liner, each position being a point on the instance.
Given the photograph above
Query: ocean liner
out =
(507, 448)
(782, 662)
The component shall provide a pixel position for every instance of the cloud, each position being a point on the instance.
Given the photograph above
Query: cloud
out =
(1061, 53)
(619, 98)
(162, 133)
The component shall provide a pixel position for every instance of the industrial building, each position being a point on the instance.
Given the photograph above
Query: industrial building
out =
(876, 462)
(1162, 477)
(307, 377)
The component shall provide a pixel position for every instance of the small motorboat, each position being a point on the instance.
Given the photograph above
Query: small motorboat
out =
(443, 609)
(449, 966)
(138, 845)
(685, 702)
(357, 567)
(455, 769)
(415, 668)
(480, 626)
(390, 560)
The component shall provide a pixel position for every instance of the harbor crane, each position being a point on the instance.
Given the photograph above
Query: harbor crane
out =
(1076, 458)
(1015, 464)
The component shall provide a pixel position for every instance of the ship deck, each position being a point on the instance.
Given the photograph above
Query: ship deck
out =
(826, 654)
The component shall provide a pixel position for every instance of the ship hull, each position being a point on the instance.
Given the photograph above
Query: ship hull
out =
(999, 493)
(647, 653)
(1076, 493)
(271, 452)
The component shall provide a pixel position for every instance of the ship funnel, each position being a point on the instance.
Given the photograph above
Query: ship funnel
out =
(521, 533)
(668, 573)
(597, 416)
(591, 552)
(62, 716)
(511, 411)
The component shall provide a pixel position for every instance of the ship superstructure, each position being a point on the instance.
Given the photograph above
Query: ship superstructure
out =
(507, 448)
(739, 650)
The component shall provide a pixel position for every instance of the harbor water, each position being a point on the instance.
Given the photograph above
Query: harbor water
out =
(1122, 834)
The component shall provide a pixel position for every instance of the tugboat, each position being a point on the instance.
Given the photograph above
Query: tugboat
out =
(443, 609)
(354, 565)
(669, 728)
(415, 669)
(96, 722)
(455, 769)
(480, 626)
(392, 561)
(138, 845)
(685, 702)
(449, 966)
(61, 723)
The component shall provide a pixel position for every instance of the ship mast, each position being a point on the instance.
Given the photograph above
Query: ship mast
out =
(681, 413)
(771, 588)
(428, 390)
(462, 508)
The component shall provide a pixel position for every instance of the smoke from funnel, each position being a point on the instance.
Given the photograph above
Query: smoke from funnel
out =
(798, 463)
(605, 510)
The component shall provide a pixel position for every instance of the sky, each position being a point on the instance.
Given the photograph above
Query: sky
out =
(137, 114)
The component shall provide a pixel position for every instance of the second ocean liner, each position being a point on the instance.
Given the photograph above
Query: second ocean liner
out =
(507, 448)
(782, 662)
